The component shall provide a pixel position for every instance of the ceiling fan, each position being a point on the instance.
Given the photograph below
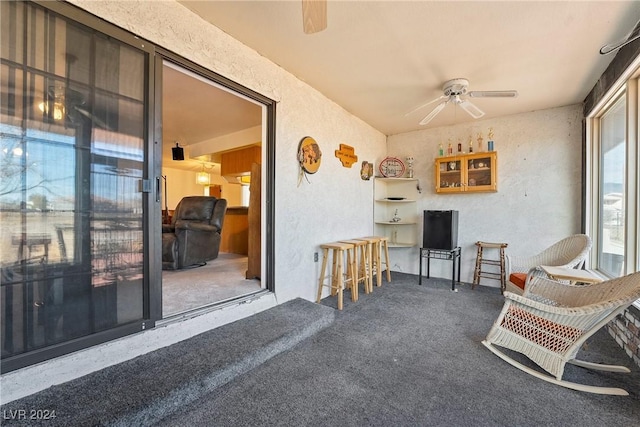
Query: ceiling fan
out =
(314, 15)
(455, 92)
(62, 103)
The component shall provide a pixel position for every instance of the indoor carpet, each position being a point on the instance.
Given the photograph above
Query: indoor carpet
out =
(405, 355)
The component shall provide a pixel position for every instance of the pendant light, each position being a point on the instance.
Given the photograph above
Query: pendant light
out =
(203, 177)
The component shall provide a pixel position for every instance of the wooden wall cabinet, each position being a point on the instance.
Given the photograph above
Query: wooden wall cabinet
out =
(396, 195)
(467, 173)
(238, 162)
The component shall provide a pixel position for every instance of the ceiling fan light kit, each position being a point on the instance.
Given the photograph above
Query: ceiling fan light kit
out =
(454, 92)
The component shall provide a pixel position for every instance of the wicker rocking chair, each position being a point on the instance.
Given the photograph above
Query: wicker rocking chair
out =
(551, 321)
(569, 252)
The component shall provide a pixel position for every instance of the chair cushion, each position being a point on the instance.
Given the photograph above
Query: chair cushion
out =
(518, 279)
(196, 208)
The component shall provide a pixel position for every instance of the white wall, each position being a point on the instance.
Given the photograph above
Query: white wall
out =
(182, 183)
(539, 185)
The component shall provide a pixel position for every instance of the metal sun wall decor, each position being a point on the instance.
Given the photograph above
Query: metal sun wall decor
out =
(309, 157)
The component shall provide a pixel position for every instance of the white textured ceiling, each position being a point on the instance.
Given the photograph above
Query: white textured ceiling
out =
(381, 59)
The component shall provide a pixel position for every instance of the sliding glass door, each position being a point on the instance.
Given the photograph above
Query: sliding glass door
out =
(73, 156)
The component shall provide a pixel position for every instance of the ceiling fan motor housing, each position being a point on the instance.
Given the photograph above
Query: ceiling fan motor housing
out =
(455, 87)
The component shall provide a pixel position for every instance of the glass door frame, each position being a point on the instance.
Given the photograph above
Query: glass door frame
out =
(151, 185)
(268, 178)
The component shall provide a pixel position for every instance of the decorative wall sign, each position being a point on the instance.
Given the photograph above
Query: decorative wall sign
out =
(347, 155)
(366, 171)
(391, 167)
(309, 157)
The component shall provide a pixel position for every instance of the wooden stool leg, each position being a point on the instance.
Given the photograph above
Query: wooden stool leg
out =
(378, 267)
(339, 278)
(476, 273)
(368, 266)
(352, 276)
(334, 272)
(386, 260)
(325, 254)
(363, 268)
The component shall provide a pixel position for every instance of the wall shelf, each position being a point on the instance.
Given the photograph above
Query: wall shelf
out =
(396, 195)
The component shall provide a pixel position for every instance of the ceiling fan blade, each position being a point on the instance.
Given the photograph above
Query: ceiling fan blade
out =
(314, 15)
(493, 93)
(434, 113)
(428, 103)
(473, 111)
(92, 117)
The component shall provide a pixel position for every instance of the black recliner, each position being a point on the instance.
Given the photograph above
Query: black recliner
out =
(193, 237)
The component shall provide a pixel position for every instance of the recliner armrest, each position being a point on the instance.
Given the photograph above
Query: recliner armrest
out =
(168, 228)
(195, 226)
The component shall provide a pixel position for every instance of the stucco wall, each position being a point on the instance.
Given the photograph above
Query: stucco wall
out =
(336, 204)
(539, 185)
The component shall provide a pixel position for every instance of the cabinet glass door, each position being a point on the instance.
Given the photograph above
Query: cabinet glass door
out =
(450, 176)
(481, 172)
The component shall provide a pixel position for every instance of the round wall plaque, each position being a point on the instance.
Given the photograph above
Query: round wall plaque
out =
(309, 155)
(391, 167)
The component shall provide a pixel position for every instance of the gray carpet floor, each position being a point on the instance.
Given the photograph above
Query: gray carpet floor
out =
(218, 280)
(405, 355)
(412, 356)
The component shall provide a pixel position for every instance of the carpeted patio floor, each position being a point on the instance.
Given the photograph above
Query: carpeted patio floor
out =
(405, 355)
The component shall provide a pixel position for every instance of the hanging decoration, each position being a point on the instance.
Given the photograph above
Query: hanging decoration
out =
(309, 157)
(391, 167)
(347, 155)
(366, 171)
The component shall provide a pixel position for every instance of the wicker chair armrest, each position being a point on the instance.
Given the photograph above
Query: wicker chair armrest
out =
(538, 306)
(559, 314)
(518, 264)
(539, 285)
(565, 294)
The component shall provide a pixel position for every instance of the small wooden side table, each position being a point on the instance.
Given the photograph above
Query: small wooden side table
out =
(571, 274)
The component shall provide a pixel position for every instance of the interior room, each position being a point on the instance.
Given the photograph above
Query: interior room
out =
(174, 175)
(211, 147)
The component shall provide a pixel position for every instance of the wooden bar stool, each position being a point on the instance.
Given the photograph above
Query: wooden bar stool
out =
(374, 257)
(360, 264)
(480, 261)
(338, 279)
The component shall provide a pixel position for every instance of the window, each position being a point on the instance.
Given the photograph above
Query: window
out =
(611, 195)
(613, 179)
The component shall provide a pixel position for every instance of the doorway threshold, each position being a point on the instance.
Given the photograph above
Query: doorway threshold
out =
(218, 305)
